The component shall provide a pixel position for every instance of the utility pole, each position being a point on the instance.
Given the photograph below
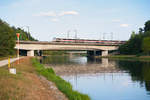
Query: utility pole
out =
(18, 34)
(100, 36)
(75, 33)
(111, 35)
(68, 34)
(28, 31)
(104, 36)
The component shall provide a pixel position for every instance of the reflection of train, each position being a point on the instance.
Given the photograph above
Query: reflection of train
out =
(63, 40)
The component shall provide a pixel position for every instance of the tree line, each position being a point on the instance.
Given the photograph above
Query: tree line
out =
(8, 38)
(139, 43)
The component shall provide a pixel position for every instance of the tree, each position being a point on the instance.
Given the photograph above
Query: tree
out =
(141, 30)
(147, 26)
(146, 45)
(133, 34)
(136, 41)
(8, 38)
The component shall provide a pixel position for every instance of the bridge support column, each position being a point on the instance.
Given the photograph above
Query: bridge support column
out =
(94, 53)
(105, 53)
(39, 52)
(90, 53)
(105, 62)
(30, 53)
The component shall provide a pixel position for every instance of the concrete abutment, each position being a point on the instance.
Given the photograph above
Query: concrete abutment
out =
(105, 53)
(30, 53)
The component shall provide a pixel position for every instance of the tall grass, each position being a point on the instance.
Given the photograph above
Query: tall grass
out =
(61, 84)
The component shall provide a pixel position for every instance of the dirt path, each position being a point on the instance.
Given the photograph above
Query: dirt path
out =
(26, 84)
(5, 62)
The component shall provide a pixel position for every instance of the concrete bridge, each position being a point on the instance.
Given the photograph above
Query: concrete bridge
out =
(93, 49)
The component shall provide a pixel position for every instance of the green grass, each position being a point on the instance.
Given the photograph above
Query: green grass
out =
(8, 85)
(61, 84)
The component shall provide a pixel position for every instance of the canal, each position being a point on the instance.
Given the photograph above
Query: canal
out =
(104, 79)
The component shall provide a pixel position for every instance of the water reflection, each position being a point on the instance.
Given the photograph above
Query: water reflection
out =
(108, 86)
(65, 60)
(139, 71)
(79, 65)
(104, 79)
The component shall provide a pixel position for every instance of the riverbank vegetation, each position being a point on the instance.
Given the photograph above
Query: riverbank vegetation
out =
(62, 85)
(8, 38)
(139, 43)
(129, 57)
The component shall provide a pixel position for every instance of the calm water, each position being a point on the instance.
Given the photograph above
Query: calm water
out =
(131, 83)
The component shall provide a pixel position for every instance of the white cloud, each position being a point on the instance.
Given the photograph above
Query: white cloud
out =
(48, 14)
(116, 20)
(124, 25)
(56, 16)
(68, 13)
(54, 20)
(53, 14)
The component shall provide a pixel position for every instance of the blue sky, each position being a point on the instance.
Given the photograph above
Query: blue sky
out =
(91, 18)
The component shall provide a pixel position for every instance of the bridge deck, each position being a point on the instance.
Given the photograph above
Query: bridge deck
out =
(62, 43)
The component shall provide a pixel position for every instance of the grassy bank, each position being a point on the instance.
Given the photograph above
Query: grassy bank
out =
(129, 57)
(26, 84)
(9, 88)
(14, 87)
(11, 56)
(62, 85)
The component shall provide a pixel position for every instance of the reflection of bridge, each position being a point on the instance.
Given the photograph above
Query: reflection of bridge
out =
(81, 65)
(92, 49)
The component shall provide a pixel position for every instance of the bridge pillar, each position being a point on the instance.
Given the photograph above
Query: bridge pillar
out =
(30, 53)
(105, 53)
(39, 52)
(90, 53)
(94, 53)
(105, 62)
